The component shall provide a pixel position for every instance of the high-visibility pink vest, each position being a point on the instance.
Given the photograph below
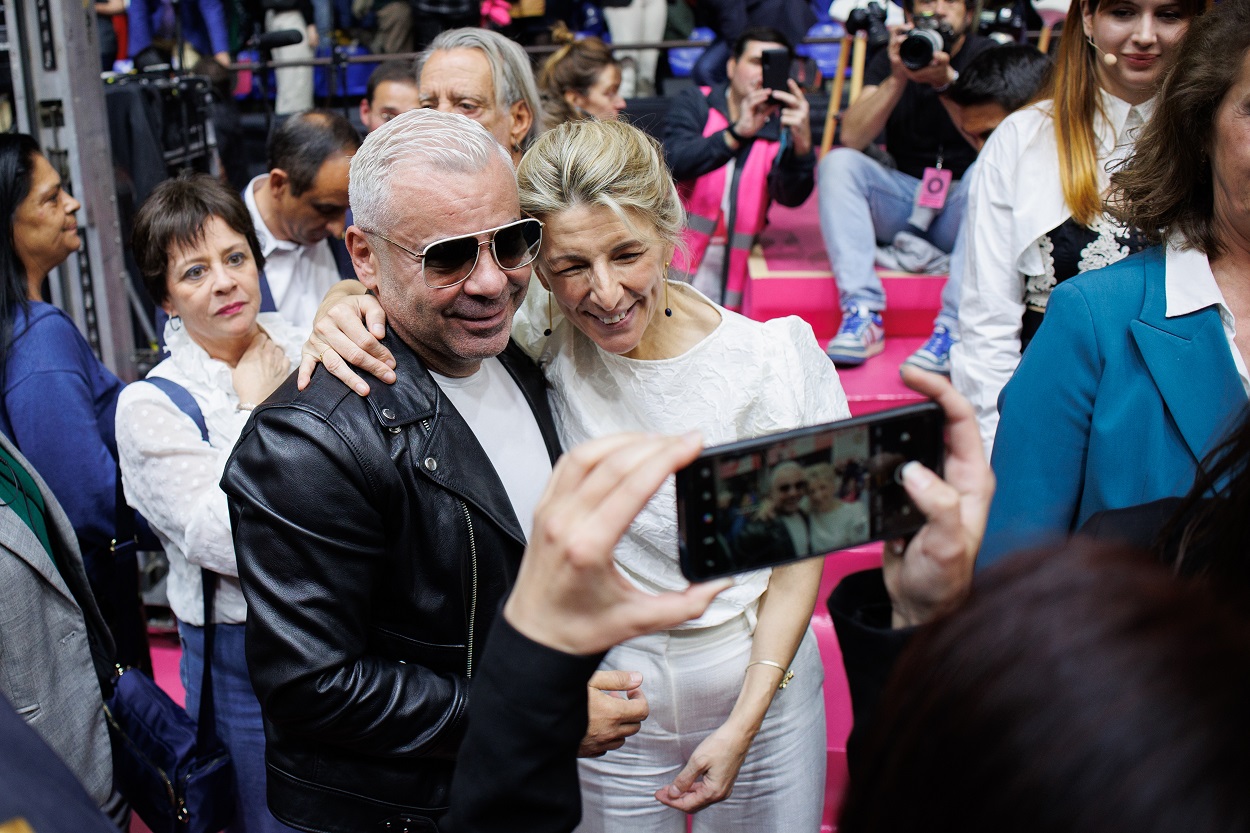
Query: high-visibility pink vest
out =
(702, 199)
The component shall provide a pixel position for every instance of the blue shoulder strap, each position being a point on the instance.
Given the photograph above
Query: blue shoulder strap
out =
(184, 400)
(266, 295)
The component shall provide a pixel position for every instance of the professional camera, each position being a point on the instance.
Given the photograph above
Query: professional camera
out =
(929, 35)
(870, 19)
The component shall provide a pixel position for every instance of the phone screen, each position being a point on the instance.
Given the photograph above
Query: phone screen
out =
(776, 69)
(803, 493)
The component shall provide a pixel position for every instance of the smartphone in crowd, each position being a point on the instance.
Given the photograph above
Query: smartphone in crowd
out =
(787, 496)
(776, 64)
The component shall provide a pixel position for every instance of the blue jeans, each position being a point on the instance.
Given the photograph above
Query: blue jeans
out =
(863, 204)
(238, 719)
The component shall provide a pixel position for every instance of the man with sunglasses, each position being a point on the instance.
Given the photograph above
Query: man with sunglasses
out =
(377, 536)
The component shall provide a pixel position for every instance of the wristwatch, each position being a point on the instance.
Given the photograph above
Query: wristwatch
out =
(733, 134)
(948, 84)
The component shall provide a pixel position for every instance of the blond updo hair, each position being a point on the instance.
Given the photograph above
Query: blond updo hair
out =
(607, 163)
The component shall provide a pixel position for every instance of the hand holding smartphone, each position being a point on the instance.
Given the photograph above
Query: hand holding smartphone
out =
(787, 496)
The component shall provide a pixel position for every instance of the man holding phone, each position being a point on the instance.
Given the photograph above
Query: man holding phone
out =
(734, 148)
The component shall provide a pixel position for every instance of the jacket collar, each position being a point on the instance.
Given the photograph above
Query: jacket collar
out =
(1189, 360)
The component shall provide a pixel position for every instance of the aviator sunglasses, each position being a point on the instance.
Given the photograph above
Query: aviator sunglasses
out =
(449, 262)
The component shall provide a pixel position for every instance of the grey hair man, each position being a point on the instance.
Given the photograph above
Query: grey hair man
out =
(377, 536)
(482, 75)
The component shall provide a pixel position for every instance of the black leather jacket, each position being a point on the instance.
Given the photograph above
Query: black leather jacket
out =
(375, 543)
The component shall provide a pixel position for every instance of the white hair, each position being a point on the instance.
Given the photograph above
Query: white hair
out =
(510, 68)
(443, 141)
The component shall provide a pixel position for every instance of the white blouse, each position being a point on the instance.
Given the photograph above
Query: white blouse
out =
(744, 379)
(1014, 199)
(171, 476)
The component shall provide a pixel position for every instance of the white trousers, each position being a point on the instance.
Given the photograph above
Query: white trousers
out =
(692, 679)
(295, 84)
(642, 21)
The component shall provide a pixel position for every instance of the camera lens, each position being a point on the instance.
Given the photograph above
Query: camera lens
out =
(917, 49)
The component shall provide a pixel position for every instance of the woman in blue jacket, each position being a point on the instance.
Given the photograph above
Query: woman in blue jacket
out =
(1137, 372)
(56, 399)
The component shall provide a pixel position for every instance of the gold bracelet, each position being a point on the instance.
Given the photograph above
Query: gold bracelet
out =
(786, 674)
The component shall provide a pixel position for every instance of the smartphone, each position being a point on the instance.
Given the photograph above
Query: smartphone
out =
(776, 64)
(787, 496)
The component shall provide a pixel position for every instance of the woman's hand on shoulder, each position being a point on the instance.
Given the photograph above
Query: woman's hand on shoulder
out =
(346, 335)
(260, 370)
(709, 775)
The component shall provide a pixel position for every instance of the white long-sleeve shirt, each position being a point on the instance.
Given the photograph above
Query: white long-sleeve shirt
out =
(1014, 199)
(171, 475)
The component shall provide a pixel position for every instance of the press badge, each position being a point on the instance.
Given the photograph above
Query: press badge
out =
(934, 187)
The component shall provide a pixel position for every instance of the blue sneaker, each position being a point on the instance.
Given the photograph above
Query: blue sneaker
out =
(935, 355)
(861, 336)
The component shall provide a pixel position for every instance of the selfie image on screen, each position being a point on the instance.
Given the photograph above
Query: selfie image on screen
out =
(807, 497)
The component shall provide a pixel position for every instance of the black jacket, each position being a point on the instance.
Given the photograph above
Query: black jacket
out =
(375, 543)
(691, 155)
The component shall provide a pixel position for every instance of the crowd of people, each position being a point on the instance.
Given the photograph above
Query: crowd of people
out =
(410, 453)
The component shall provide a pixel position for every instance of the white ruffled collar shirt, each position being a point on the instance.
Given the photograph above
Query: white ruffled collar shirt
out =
(1189, 286)
(171, 476)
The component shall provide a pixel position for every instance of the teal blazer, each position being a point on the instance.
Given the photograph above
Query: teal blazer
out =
(1112, 405)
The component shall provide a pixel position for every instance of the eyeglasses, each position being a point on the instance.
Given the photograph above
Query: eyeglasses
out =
(449, 262)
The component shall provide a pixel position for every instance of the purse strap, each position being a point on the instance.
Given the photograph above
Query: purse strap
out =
(206, 720)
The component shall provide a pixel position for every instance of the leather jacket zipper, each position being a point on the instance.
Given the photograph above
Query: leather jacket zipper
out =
(468, 521)
(473, 593)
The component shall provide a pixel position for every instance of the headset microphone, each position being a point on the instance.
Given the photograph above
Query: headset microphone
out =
(1107, 58)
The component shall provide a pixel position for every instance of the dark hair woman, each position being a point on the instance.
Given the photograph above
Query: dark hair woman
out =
(58, 399)
(1139, 370)
(200, 259)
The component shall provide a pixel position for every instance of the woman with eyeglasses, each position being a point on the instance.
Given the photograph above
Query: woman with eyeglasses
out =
(59, 400)
(735, 696)
(200, 259)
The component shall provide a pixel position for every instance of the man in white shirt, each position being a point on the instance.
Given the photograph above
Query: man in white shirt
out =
(299, 209)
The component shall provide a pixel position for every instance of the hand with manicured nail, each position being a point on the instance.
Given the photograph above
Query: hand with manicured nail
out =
(932, 574)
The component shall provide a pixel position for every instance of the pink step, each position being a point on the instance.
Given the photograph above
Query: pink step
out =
(790, 275)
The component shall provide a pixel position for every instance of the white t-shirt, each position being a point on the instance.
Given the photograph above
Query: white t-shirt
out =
(503, 423)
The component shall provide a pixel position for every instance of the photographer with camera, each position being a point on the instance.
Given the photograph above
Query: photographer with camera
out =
(861, 199)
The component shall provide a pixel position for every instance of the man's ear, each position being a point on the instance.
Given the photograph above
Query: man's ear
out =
(364, 112)
(364, 258)
(279, 181)
(522, 118)
(730, 65)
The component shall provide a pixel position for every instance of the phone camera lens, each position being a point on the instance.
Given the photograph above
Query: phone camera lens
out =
(904, 437)
(707, 518)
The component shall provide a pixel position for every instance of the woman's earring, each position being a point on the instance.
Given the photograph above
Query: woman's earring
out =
(175, 322)
(668, 311)
(547, 331)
